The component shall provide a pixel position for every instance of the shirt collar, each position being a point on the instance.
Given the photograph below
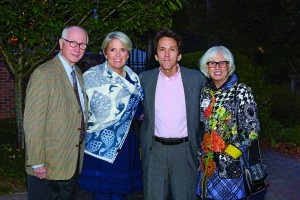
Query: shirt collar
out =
(169, 78)
(67, 67)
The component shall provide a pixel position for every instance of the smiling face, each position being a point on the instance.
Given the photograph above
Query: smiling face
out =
(218, 75)
(73, 54)
(167, 55)
(116, 55)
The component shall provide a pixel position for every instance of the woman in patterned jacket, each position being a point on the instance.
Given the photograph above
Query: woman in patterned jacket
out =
(111, 165)
(229, 117)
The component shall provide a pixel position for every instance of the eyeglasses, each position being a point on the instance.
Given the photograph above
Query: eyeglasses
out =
(213, 64)
(74, 44)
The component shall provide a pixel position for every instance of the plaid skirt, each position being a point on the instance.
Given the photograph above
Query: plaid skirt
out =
(218, 188)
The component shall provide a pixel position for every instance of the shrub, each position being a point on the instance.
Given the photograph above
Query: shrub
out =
(290, 135)
(8, 131)
(190, 60)
(12, 162)
(285, 105)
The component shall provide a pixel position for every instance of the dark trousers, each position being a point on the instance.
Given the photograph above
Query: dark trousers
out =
(43, 189)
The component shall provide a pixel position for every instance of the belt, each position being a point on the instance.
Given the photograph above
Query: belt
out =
(171, 141)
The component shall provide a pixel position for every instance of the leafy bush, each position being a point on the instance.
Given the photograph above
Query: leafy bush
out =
(190, 60)
(284, 115)
(285, 105)
(8, 131)
(5, 188)
(289, 135)
(12, 162)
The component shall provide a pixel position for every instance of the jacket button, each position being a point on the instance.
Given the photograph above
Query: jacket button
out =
(79, 129)
(77, 145)
(79, 111)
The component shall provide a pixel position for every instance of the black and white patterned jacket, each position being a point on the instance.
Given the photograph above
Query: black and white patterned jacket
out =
(228, 97)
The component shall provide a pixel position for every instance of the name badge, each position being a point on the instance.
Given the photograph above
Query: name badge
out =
(205, 103)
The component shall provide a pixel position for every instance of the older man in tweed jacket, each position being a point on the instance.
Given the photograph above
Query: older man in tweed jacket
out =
(53, 121)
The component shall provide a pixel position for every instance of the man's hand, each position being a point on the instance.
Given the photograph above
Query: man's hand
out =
(40, 172)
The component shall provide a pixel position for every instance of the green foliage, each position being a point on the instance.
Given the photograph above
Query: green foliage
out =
(8, 131)
(190, 60)
(5, 188)
(270, 129)
(289, 135)
(30, 30)
(267, 32)
(285, 105)
(282, 114)
(12, 162)
(262, 29)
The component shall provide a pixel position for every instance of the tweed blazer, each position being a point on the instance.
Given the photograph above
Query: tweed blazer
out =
(193, 82)
(52, 121)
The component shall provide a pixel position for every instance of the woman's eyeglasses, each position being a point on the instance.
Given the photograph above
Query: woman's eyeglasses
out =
(213, 64)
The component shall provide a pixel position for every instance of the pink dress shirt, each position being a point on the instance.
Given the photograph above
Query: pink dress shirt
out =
(170, 107)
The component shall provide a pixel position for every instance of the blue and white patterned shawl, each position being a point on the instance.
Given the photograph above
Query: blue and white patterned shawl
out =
(112, 102)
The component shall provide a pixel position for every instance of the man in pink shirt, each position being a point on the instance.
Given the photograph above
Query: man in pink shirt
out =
(170, 131)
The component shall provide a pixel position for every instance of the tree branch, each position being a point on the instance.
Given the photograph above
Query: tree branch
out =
(70, 19)
(84, 17)
(114, 10)
(7, 60)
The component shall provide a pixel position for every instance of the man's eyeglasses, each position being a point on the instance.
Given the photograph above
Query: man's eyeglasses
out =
(74, 44)
(213, 64)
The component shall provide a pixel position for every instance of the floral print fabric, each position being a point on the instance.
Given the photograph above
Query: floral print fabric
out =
(218, 119)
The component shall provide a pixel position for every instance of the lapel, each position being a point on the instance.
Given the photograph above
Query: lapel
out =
(189, 100)
(64, 80)
(151, 87)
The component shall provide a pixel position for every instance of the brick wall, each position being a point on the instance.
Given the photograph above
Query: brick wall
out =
(7, 102)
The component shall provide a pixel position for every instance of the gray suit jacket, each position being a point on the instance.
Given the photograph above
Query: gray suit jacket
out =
(193, 81)
(52, 121)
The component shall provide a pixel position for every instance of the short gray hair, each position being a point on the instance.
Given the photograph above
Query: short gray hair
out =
(68, 28)
(212, 52)
(117, 35)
